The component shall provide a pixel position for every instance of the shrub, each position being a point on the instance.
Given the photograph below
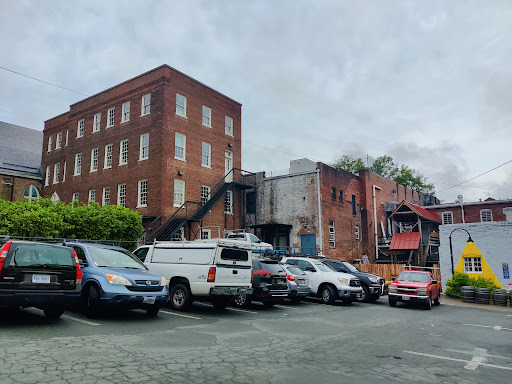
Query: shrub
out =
(458, 280)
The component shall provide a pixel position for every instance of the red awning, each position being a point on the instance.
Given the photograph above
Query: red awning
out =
(408, 240)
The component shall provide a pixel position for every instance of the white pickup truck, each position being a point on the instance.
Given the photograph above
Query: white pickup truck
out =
(251, 240)
(326, 283)
(206, 270)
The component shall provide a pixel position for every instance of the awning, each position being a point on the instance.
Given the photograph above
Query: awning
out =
(408, 240)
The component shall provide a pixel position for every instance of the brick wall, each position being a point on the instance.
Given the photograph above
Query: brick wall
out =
(17, 189)
(472, 211)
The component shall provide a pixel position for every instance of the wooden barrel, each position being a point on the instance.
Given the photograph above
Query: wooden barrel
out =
(499, 297)
(468, 293)
(482, 296)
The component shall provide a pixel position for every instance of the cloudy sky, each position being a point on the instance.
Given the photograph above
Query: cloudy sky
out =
(428, 83)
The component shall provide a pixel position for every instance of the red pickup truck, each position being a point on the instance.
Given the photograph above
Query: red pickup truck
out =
(414, 286)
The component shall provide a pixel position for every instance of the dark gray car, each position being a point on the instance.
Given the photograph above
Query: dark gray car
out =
(298, 283)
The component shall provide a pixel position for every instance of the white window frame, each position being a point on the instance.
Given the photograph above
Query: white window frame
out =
(107, 161)
(80, 128)
(179, 193)
(145, 106)
(111, 117)
(95, 152)
(123, 152)
(447, 217)
(67, 137)
(228, 128)
(78, 164)
(96, 125)
(30, 189)
(105, 200)
(207, 116)
(142, 193)
(56, 173)
(144, 147)
(485, 215)
(76, 196)
(92, 195)
(125, 112)
(332, 234)
(176, 146)
(206, 156)
(47, 176)
(206, 234)
(64, 172)
(181, 110)
(228, 203)
(205, 194)
(50, 144)
(472, 265)
(121, 195)
(58, 141)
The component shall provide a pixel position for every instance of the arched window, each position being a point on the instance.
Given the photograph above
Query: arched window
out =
(31, 193)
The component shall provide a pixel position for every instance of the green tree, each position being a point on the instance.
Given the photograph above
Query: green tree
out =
(349, 164)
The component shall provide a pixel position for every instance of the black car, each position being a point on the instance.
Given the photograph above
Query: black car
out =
(269, 284)
(39, 275)
(373, 285)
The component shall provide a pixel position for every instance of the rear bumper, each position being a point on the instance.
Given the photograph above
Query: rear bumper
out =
(230, 291)
(408, 298)
(38, 299)
(300, 291)
(270, 295)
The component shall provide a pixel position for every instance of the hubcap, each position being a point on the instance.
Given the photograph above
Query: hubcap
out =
(178, 298)
(326, 295)
(240, 300)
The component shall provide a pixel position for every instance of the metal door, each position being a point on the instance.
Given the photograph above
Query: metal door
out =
(308, 244)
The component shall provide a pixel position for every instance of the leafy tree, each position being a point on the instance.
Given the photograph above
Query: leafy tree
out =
(349, 164)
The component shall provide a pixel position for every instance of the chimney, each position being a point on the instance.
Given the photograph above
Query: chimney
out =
(460, 199)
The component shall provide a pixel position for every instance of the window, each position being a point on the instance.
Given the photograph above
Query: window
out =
(108, 156)
(143, 194)
(92, 195)
(207, 116)
(472, 265)
(206, 155)
(121, 195)
(80, 129)
(228, 202)
(340, 196)
(181, 105)
(110, 117)
(354, 211)
(97, 122)
(64, 172)
(447, 218)
(56, 173)
(144, 146)
(228, 125)
(146, 104)
(94, 159)
(106, 196)
(356, 230)
(333, 193)
(50, 142)
(31, 194)
(251, 202)
(123, 152)
(332, 234)
(179, 193)
(47, 176)
(67, 137)
(76, 196)
(78, 164)
(58, 142)
(205, 194)
(206, 234)
(485, 215)
(125, 116)
(179, 146)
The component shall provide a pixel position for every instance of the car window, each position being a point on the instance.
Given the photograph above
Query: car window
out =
(291, 261)
(141, 253)
(234, 254)
(412, 276)
(321, 266)
(271, 266)
(253, 238)
(294, 270)
(302, 264)
(41, 255)
(80, 253)
(351, 268)
(104, 257)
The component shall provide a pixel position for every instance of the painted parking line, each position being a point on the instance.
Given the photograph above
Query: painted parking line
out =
(286, 307)
(241, 310)
(180, 315)
(470, 364)
(79, 320)
(470, 353)
(495, 327)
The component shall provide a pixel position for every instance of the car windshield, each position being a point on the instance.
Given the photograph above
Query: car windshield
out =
(104, 257)
(413, 276)
(350, 267)
(294, 270)
(321, 266)
(42, 255)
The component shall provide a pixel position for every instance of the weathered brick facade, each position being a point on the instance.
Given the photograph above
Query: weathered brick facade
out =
(472, 210)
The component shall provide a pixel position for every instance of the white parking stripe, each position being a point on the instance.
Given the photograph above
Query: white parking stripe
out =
(286, 307)
(470, 353)
(79, 320)
(180, 315)
(495, 327)
(242, 310)
(459, 360)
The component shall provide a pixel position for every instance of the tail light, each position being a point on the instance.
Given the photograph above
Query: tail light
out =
(262, 272)
(79, 273)
(211, 274)
(290, 277)
(3, 254)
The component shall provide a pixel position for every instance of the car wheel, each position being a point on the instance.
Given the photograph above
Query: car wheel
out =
(328, 295)
(364, 296)
(92, 303)
(54, 312)
(152, 312)
(268, 304)
(373, 298)
(437, 301)
(392, 302)
(220, 303)
(241, 301)
(180, 297)
(428, 304)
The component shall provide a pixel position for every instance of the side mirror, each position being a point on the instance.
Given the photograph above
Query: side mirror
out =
(393, 278)
(434, 281)
(82, 263)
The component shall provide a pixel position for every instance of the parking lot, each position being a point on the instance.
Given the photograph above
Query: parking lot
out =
(305, 343)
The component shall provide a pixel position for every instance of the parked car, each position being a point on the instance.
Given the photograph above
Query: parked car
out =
(39, 275)
(268, 283)
(373, 285)
(298, 283)
(415, 286)
(250, 239)
(208, 270)
(326, 283)
(115, 278)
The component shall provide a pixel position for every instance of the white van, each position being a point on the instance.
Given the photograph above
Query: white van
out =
(207, 270)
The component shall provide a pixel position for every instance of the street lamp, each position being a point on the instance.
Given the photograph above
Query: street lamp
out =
(470, 240)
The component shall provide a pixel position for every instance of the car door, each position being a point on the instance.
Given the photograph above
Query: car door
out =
(313, 275)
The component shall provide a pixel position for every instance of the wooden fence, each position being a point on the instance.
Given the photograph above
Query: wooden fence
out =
(387, 271)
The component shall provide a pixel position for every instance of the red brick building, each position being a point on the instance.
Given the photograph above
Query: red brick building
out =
(151, 143)
(473, 212)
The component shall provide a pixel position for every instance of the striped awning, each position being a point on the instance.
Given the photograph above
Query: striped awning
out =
(409, 240)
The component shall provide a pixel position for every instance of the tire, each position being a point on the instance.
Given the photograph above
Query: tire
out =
(54, 312)
(181, 298)
(392, 302)
(92, 302)
(268, 304)
(241, 301)
(428, 304)
(220, 303)
(152, 312)
(328, 294)
(437, 301)
(373, 298)
(365, 296)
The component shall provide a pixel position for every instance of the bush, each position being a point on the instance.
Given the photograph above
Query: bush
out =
(458, 280)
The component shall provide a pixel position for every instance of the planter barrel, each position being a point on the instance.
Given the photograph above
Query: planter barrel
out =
(499, 297)
(482, 296)
(468, 293)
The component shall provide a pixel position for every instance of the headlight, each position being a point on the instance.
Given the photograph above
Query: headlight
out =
(373, 279)
(163, 281)
(422, 291)
(343, 280)
(392, 289)
(115, 279)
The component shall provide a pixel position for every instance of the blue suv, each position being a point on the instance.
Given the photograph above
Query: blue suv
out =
(113, 276)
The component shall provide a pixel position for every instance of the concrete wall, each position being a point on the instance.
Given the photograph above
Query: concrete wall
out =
(493, 240)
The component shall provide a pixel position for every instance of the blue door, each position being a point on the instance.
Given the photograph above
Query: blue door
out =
(308, 244)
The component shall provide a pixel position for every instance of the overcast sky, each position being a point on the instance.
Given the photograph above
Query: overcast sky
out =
(428, 83)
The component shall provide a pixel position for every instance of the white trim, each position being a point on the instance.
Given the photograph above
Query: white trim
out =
(141, 147)
(121, 162)
(56, 173)
(209, 154)
(448, 213)
(206, 118)
(113, 110)
(94, 158)
(105, 189)
(488, 213)
(119, 187)
(178, 184)
(226, 117)
(139, 194)
(107, 147)
(143, 105)
(125, 111)
(184, 106)
(96, 122)
(78, 156)
(80, 129)
(184, 157)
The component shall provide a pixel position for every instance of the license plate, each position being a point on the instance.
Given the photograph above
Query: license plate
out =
(233, 291)
(406, 298)
(302, 282)
(148, 300)
(41, 279)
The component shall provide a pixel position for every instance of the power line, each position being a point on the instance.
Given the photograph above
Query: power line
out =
(42, 81)
(473, 186)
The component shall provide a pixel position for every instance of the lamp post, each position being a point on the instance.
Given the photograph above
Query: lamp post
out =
(470, 240)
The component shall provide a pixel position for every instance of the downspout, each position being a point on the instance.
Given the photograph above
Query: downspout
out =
(462, 211)
(320, 231)
(375, 220)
